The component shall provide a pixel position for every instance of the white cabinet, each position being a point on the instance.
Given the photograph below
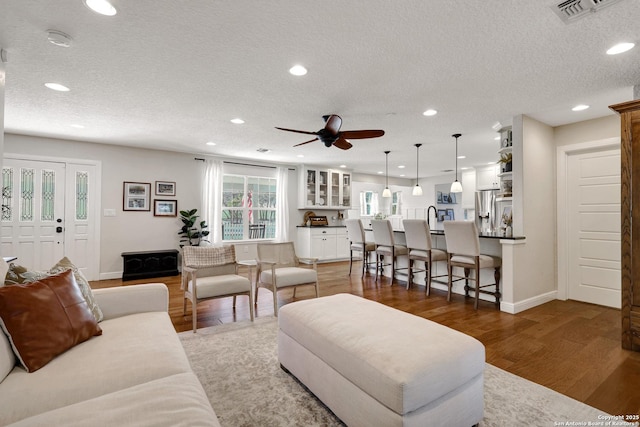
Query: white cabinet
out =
(324, 243)
(324, 188)
(487, 177)
(468, 189)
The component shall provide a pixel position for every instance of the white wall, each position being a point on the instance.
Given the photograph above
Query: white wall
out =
(133, 231)
(535, 262)
(588, 130)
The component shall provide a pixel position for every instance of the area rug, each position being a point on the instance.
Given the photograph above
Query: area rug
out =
(237, 365)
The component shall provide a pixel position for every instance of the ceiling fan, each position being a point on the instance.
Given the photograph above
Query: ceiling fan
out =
(331, 134)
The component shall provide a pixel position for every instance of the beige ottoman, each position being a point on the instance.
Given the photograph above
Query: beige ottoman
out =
(373, 365)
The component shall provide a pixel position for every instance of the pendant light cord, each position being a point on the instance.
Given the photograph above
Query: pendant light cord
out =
(386, 167)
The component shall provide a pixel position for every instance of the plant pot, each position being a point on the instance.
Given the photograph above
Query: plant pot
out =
(507, 167)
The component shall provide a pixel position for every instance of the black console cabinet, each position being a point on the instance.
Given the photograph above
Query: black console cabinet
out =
(142, 265)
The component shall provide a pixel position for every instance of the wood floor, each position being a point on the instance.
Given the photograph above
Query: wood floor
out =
(571, 347)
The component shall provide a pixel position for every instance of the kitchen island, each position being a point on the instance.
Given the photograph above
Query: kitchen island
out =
(490, 244)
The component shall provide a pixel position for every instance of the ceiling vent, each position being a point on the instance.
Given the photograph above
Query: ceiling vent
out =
(572, 10)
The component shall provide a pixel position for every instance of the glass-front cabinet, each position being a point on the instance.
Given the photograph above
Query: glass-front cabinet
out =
(324, 188)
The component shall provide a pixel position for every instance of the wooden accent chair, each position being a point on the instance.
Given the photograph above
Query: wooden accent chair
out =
(463, 247)
(418, 237)
(279, 268)
(212, 272)
(355, 231)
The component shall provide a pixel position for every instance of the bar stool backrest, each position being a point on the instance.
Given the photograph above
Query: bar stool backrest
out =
(382, 232)
(355, 230)
(462, 238)
(417, 233)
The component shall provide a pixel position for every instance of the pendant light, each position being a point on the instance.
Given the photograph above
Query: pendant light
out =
(417, 190)
(386, 192)
(456, 187)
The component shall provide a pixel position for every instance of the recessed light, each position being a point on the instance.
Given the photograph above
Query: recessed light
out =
(59, 38)
(497, 138)
(580, 107)
(237, 121)
(57, 86)
(300, 155)
(77, 126)
(401, 167)
(343, 166)
(491, 163)
(620, 48)
(380, 172)
(430, 112)
(103, 7)
(211, 143)
(463, 169)
(298, 70)
(462, 157)
(402, 175)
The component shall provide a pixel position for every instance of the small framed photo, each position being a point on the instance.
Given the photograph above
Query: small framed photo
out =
(450, 214)
(165, 188)
(441, 214)
(136, 196)
(165, 207)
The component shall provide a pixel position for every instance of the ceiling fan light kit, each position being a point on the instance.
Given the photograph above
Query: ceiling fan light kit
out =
(417, 190)
(386, 192)
(456, 187)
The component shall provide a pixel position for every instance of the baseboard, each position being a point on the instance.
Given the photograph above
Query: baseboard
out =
(111, 275)
(520, 306)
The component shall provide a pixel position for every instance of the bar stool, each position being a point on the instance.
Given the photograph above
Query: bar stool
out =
(386, 246)
(463, 246)
(418, 237)
(355, 231)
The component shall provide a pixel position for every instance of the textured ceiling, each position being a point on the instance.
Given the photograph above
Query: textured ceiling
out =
(171, 74)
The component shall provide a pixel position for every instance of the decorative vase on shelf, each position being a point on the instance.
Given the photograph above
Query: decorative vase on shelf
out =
(508, 232)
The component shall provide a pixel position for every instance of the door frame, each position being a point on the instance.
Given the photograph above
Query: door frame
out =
(95, 247)
(562, 229)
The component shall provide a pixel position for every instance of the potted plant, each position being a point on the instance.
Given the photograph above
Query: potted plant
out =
(505, 159)
(192, 234)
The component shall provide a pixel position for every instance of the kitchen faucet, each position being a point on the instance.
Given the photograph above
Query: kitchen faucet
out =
(435, 212)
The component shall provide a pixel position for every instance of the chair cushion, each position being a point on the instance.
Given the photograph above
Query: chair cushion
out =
(368, 246)
(436, 254)
(214, 286)
(290, 276)
(386, 250)
(486, 261)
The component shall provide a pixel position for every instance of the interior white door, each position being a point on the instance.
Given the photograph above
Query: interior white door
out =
(593, 225)
(52, 211)
(33, 212)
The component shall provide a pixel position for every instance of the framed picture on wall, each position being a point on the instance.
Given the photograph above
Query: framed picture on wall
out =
(165, 188)
(165, 207)
(450, 214)
(136, 196)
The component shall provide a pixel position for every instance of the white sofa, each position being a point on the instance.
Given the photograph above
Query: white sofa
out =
(135, 373)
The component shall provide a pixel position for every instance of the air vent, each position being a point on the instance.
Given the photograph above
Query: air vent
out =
(572, 10)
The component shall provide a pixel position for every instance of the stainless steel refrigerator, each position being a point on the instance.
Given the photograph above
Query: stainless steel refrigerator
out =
(486, 211)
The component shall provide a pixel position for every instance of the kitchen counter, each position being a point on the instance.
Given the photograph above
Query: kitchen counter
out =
(321, 226)
(493, 235)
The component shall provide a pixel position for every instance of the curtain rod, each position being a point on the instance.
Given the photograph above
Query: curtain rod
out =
(244, 164)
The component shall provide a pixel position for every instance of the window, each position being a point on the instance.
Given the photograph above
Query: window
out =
(368, 203)
(396, 201)
(248, 207)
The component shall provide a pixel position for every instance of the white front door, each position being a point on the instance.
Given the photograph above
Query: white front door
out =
(593, 227)
(51, 210)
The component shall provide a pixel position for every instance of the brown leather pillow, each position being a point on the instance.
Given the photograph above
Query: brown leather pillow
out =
(45, 318)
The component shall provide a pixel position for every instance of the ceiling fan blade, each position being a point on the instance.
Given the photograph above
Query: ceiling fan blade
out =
(306, 142)
(298, 131)
(342, 143)
(333, 124)
(361, 134)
